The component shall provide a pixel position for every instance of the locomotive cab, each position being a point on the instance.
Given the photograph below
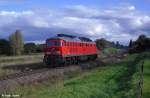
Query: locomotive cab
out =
(53, 51)
(53, 47)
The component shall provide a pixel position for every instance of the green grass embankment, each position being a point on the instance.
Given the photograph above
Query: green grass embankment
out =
(107, 52)
(99, 83)
(146, 76)
(117, 80)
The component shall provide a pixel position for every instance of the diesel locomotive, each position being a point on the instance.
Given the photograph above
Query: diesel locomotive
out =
(68, 49)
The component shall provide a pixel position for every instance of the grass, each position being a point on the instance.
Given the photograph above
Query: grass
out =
(11, 59)
(118, 80)
(146, 75)
(21, 56)
(146, 85)
(18, 60)
(99, 83)
(4, 72)
(107, 51)
(111, 50)
(111, 81)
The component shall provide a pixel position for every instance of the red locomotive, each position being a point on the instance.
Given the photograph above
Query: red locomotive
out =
(64, 49)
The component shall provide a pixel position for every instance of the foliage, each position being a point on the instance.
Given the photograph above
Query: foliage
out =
(146, 83)
(110, 81)
(39, 48)
(16, 43)
(130, 44)
(30, 48)
(103, 43)
(140, 45)
(146, 74)
(110, 51)
(97, 84)
(33, 59)
(33, 48)
(4, 47)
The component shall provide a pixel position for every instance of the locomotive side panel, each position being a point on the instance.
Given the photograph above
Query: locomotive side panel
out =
(77, 49)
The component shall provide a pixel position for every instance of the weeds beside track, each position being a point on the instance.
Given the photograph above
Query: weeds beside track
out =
(116, 80)
(10, 81)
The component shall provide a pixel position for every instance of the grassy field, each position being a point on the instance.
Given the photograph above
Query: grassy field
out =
(95, 84)
(146, 86)
(17, 60)
(111, 51)
(107, 52)
(117, 80)
(4, 72)
(14, 60)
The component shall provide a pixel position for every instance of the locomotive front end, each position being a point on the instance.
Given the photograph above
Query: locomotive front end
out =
(53, 51)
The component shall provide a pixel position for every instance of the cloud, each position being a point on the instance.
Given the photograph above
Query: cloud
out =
(115, 24)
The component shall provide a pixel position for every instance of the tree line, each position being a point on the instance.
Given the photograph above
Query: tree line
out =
(15, 45)
(140, 45)
(103, 43)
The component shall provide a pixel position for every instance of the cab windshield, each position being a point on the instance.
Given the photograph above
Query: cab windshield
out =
(53, 43)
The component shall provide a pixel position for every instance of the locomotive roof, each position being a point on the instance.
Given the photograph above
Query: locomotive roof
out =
(71, 38)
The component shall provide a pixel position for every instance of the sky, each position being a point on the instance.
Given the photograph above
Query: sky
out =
(114, 20)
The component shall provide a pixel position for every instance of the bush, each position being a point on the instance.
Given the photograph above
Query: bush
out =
(4, 47)
(140, 45)
(30, 48)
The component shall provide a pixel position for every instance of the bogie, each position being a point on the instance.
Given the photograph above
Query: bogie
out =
(55, 61)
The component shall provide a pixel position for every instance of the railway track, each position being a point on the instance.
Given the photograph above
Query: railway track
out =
(10, 82)
(20, 74)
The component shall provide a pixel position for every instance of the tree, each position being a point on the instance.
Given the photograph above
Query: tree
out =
(117, 44)
(16, 43)
(113, 44)
(141, 44)
(30, 48)
(12, 44)
(130, 44)
(101, 43)
(39, 48)
(4, 47)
